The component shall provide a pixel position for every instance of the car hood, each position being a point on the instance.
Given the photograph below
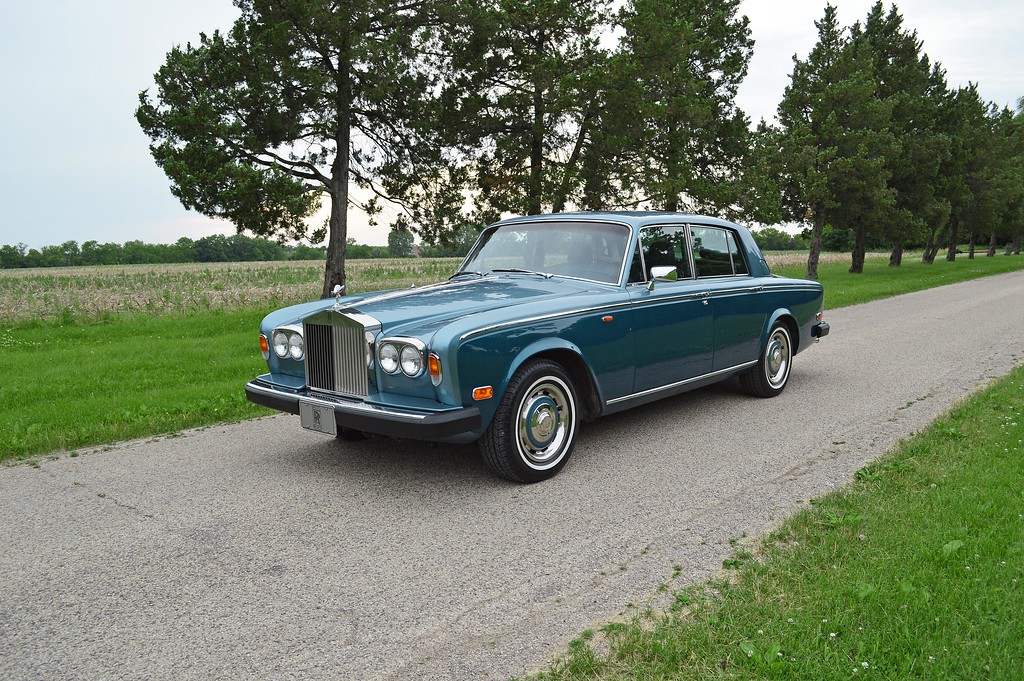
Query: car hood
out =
(430, 306)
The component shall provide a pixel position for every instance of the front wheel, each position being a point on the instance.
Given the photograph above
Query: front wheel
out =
(769, 377)
(534, 429)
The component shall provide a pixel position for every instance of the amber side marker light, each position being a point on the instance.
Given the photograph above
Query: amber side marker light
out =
(484, 393)
(264, 347)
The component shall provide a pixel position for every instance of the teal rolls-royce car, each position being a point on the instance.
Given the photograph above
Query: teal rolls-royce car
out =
(550, 320)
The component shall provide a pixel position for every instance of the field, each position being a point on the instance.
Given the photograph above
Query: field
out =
(89, 293)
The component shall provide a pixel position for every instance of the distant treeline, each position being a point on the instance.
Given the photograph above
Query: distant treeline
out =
(215, 248)
(241, 248)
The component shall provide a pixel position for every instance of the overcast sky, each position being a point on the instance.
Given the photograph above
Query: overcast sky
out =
(78, 166)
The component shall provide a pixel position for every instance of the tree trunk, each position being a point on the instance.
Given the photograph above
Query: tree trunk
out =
(569, 171)
(991, 246)
(934, 244)
(334, 273)
(859, 247)
(817, 230)
(954, 238)
(971, 244)
(896, 257)
(1014, 246)
(534, 200)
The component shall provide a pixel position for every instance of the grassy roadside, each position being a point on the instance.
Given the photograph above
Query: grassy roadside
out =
(89, 378)
(881, 281)
(67, 386)
(914, 570)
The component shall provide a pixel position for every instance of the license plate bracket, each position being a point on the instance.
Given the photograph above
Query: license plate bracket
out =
(318, 418)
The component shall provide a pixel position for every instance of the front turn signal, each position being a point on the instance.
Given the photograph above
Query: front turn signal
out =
(434, 368)
(264, 347)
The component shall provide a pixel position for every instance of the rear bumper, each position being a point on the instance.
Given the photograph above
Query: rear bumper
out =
(819, 330)
(450, 424)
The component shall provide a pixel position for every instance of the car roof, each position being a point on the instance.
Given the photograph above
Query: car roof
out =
(634, 218)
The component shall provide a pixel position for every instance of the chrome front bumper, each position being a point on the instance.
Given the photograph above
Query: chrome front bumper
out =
(447, 425)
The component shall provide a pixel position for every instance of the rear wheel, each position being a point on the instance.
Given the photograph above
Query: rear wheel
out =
(771, 374)
(533, 432)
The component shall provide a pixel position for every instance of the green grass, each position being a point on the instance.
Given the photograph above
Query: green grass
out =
(881, 281)
(67, 386)
(915, 570)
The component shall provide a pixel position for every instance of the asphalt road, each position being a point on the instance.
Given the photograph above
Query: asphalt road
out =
(258, 550)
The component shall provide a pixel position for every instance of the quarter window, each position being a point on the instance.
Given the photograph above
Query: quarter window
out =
(716, 252)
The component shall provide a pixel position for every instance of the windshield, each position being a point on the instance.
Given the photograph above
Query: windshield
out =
(581, 250)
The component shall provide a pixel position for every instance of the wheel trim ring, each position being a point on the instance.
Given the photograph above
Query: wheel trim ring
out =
(777, 359)
(541, 442)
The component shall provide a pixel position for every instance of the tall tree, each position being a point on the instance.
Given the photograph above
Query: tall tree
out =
(834, 141)
(913, 87)
(523, 96)
(966, 176)
(685, 60)
(299, 100)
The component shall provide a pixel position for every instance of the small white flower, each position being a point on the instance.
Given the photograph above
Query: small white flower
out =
(760, 632)
(790, 620)
(832, 635)
(824, 621)
(865, 665)
(931, 658)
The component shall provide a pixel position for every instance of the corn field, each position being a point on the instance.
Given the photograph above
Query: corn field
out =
(85, 293)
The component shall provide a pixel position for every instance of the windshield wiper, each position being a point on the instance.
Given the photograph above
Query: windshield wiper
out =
(462, 272)
(517, 270)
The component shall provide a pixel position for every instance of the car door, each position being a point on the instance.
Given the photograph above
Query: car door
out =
(673, 323)
(736, 299)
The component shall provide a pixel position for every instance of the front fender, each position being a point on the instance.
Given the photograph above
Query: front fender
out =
(494, 362)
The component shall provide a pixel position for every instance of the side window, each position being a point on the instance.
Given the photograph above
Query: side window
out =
(714, 252)
(738, 265)
(661, 246)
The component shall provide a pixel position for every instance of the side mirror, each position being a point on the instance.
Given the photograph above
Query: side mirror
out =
(666, 273)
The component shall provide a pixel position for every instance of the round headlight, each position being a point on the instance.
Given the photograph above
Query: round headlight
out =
(387, 355)
(280, 344)
(412, 361)
(295, 346)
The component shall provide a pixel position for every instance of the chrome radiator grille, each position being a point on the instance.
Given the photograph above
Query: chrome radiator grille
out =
(336, 358)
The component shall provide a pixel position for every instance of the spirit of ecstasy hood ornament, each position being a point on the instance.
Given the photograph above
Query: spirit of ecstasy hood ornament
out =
(338, 292)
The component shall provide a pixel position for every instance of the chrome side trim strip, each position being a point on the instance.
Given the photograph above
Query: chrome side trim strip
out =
(543, 318)
(681, 383)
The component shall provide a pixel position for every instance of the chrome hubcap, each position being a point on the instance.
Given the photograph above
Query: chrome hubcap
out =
(545, 422)
(777, 356)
